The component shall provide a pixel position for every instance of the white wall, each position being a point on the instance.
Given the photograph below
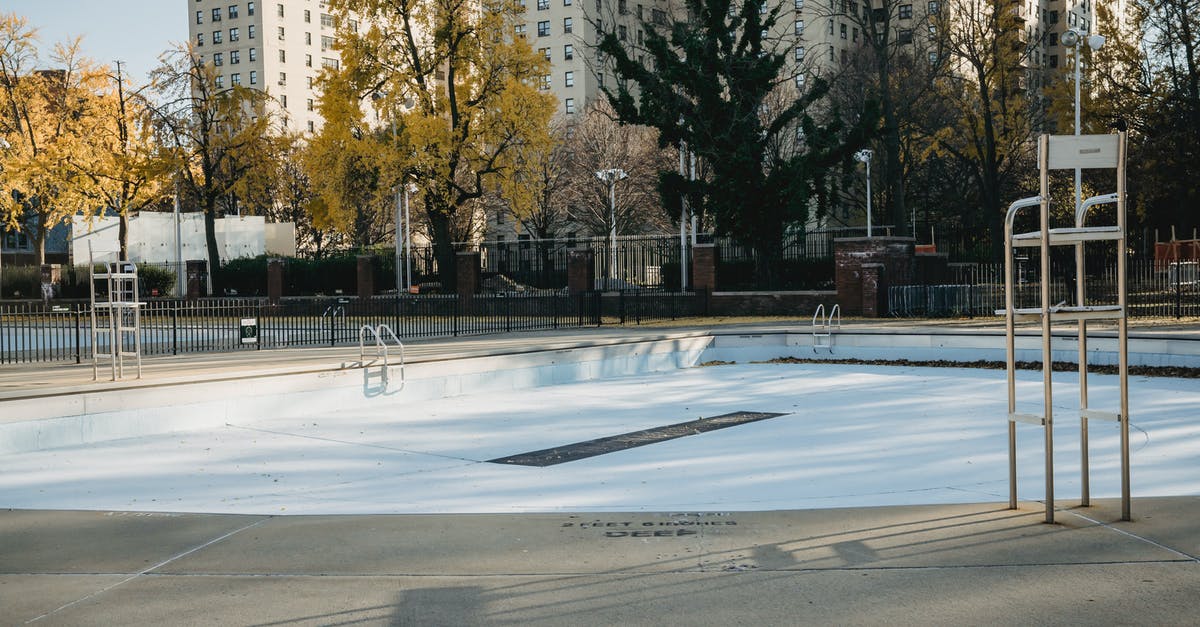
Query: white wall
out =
(152, 237)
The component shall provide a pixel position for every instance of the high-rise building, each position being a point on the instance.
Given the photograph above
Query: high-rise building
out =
(277, 47)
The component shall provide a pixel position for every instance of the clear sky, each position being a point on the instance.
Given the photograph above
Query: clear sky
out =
(133, 31)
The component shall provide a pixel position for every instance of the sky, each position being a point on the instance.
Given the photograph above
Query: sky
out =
(132, 31)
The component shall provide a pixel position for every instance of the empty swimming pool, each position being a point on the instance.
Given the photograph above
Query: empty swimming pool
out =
(845, 435)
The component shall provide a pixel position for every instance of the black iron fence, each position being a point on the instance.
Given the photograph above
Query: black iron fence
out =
(39, 332)
(1169, 290)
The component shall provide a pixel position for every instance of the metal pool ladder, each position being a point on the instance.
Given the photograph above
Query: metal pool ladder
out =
(823, 326)
(380, 333)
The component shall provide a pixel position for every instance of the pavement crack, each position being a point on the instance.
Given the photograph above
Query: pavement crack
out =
(148, 570)
(1187, 556)
(351, 443)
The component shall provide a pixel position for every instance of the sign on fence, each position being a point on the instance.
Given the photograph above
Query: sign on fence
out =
(249, 328)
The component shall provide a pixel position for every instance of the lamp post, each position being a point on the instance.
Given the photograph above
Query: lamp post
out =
(864, 156)
(611, 176)
(5, 146)
(409, 188)
(1072, 38)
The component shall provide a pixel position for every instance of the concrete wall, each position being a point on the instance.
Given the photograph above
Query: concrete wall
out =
(152, 237)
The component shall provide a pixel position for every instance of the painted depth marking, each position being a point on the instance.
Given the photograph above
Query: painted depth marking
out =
(611, 444)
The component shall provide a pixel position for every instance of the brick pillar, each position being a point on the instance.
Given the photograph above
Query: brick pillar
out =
(274, 280)
(704, 267)
(893, 255)
(467, 277)
(581, 271)
(872, 276)
(366, 277)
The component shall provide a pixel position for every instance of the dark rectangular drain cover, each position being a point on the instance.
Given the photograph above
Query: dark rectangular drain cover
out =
(611, 444)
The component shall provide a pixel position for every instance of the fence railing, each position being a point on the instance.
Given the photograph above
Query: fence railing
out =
(1163, 291)
(37, 332)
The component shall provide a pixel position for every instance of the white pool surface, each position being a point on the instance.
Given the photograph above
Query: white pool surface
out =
(852, 436)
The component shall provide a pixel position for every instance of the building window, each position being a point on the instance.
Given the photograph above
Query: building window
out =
(544, 82)
(566, 3)
(904, 36)
(235, 79)
(519, 29)
(282, 55)
(234, 35)
(545, 52)
(933, 7)
(326, 20)
(569, 79)
(600, 80)
(281, 33)
(283, 100)
(544, 28)
(566, 25)
(569, 106)
(543, 5)
(279, 9)
(235, 56)
(329, 63)
(220, 81)
(309, 104)
(568, 52)
(216, 37)
(799, 27)
(799, 53)
(1053, 61)
(354, 26)
(311, 126)
(854, 34)
(253, 74)
(218, 58)
(932, 58)
(905, 12)
(326, 42)
(249, 8)
(1053, 17)
(623, 33)
(308, 60)
(199, 17)
(283, 78)
(308, 39)
(216, 15)
(1053, 40)
(799, 81)
(799, 4)
(233, 11)
(253, 54)
(250, 31)
(310, 81)
(307, 16)
(843, 31)
(199, 39)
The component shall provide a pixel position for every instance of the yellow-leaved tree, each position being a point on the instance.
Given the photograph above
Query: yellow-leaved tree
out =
(46, 120)
(462, 87)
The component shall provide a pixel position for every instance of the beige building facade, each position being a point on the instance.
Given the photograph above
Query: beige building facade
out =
(276, 47)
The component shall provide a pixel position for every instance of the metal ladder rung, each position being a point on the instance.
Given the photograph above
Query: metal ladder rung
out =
(1094, 414)
(1032, 419)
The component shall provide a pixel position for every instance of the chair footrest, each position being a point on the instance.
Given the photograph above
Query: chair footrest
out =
(1027, 418)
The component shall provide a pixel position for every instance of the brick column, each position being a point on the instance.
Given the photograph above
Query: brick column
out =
(892, 255)
(872, 277)
(581, 271)
(466, 269)
(704, 267)
(366, 277)
(274, 280)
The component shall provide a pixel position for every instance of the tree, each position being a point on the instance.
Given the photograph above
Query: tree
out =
(46, 117)
(462, 88)
(600, 142)
(216, 135)
(127, 170)
(991, 119)
(706, 82)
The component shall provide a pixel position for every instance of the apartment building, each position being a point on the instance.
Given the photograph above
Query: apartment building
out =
(277, 47)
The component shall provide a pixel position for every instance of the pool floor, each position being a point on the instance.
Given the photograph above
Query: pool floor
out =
(849, 436)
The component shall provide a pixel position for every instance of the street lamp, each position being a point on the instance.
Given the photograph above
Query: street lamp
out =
(5, 146)
(409, 188)
(1072, 38)
(611, 176)
(864, 156)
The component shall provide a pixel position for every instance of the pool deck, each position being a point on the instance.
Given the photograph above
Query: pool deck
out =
(933, 564)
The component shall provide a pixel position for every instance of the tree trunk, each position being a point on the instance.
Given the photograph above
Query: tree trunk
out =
(123, 235)
(210, 241)
(443, 249)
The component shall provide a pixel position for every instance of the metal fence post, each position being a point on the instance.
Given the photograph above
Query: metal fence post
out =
(78, 348)
(1178, 290)
(175, 329)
